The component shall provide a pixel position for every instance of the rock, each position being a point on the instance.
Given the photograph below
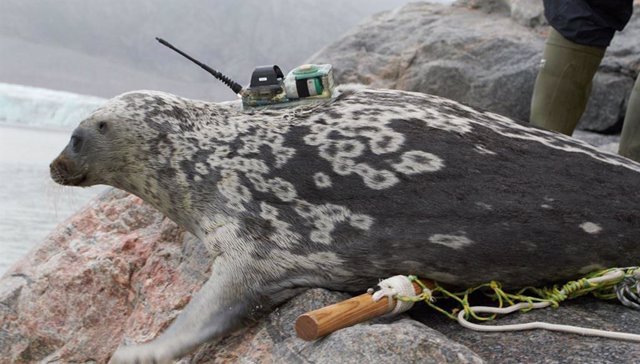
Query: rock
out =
(115, 269)
(458, 53)
(540, 346)
(484, 53)
(487, 6)
(391, 340)
(608, 101)
(118, 272)
(528, 13)
(525, 12)
(608, 143)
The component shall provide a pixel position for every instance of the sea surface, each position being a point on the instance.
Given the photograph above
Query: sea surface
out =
(31, 204)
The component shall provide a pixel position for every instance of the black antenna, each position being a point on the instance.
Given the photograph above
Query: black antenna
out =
(226, 80)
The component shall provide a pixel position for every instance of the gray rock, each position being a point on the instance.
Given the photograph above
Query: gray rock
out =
(455, 52)
(528, 13)
(391, 340)
(608, 143)
(540, 346)
(481, 52)
(487, 6)
(525, 12)
(608, 102)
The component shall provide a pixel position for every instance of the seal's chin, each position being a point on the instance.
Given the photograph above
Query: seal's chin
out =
(75, 180)
(79, 180)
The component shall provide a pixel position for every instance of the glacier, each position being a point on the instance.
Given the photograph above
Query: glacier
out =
(38, 107)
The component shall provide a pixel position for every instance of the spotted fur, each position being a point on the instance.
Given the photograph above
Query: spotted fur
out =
(371, 184)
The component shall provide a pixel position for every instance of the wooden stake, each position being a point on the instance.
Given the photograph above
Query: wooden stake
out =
(316, 324)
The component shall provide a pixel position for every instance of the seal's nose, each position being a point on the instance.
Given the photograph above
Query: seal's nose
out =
(76, 142)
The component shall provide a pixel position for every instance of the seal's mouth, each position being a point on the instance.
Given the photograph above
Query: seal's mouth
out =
(63, 171)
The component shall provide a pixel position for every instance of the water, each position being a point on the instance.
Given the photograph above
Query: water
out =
(31, 204)
(35, 125)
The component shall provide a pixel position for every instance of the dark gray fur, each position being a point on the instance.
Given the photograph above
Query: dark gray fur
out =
(505, 202)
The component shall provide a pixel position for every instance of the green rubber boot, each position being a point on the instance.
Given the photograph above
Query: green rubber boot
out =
(630, 139)
(563, 84)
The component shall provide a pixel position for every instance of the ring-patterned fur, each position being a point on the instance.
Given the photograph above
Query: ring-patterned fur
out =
(340, 194)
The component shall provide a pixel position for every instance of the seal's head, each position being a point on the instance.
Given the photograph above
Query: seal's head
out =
(83, 159)
(106, 147)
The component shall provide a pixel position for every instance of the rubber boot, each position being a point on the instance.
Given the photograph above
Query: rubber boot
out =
(563, 84)
(630, 138)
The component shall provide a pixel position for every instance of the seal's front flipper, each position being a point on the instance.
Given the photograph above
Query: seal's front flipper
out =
(217, 309)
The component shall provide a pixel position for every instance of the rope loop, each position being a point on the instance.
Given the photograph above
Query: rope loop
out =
(621, 283)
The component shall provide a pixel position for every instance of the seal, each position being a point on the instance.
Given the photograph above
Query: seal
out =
(371, 184)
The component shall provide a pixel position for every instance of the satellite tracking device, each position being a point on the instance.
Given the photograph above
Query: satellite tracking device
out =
(269, 86)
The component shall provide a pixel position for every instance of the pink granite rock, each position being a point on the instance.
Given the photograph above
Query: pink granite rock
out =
(116, 268)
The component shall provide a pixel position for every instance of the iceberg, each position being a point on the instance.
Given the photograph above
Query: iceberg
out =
(39, 107)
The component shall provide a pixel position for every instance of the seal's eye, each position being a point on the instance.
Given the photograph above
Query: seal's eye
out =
(102, 126)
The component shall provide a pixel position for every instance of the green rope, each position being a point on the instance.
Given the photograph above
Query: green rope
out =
(554, 295)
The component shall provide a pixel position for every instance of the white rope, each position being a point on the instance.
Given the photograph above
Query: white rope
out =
(613, 275)
(402, 286)
(610, 276)
(537, 324)
(393, 286)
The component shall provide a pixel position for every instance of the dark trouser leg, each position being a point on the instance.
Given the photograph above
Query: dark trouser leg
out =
(563, 84)
(630, 140)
